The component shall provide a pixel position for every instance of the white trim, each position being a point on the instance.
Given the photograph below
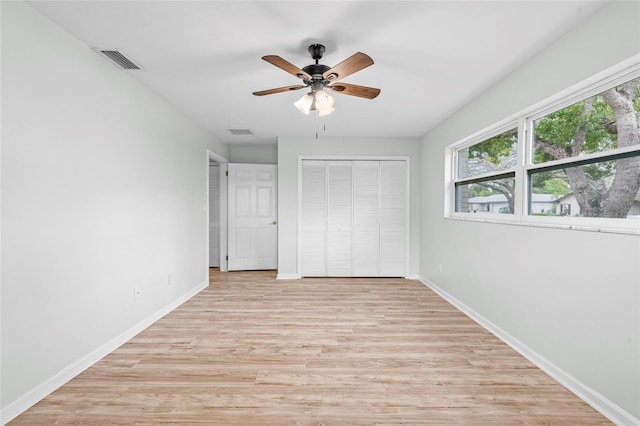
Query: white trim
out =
(602, 156)
(329, 157)
(520, 197)
(599, 402)
(36, 394)
(280, 276)
(407, 218)
(589, 224)
(500, 174)
(224, 217)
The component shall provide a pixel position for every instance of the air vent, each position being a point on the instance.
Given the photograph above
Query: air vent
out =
(121, 60)
(241, 132)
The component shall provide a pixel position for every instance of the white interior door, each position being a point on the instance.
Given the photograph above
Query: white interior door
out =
(253, 232)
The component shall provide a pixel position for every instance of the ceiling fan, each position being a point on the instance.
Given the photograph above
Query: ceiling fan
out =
(320, 78)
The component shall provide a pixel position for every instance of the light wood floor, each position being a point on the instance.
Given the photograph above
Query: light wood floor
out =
(253, 350)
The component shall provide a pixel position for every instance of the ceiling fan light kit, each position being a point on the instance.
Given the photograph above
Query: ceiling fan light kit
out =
(321, 78)
(319, 101)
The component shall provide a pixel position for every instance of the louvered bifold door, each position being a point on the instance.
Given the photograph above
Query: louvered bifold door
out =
(366, 229)
(314, 218)
(339, 218)
(353, 218)
(393, 218)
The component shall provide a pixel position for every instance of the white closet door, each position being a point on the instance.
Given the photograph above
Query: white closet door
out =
(339, 218)
(393, 218)
(314, 218)
(353, 218)
(366, 234)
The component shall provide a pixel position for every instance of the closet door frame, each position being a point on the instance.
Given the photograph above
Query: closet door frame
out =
(404, 158)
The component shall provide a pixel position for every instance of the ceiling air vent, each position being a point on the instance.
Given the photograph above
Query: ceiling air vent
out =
(121, 60)
(241, 132)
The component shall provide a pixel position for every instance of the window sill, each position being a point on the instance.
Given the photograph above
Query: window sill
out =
(577, 224)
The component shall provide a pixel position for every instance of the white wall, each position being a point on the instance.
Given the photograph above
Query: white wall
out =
(103, 190)
(288, 151)
(258, 154)
(570, 298)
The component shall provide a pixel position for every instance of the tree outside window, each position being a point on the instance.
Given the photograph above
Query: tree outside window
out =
(584, 154)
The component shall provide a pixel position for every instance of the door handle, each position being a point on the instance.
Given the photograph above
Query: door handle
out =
(273, 223)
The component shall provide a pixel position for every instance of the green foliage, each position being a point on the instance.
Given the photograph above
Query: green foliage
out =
(548, 183)
(479, 191)
(496, 149)
(561, 129)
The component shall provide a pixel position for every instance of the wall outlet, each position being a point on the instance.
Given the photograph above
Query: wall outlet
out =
(440, 267)
(169, 279)
(136, 293)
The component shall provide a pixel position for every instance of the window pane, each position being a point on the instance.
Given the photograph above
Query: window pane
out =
(597, 124)
(491, 196)
(495, 154)
(603, 189)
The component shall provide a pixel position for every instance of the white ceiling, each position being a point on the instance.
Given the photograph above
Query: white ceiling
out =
(431, 57)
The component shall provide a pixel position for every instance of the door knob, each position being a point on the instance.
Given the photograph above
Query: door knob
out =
(273, 223)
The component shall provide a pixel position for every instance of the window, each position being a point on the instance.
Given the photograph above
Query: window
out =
(486, 175)
(580, 162)
(582, 141)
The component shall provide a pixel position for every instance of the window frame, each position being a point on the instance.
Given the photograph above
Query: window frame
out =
(525, 168)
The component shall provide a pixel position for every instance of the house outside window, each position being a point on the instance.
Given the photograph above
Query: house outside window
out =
(485, 174)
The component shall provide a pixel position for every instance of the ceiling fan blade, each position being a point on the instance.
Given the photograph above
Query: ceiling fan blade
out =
(353, 63)
(286, 66)
(278, 90)
(355, 90)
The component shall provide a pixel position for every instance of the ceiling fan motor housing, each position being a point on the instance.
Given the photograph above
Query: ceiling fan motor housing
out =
(316, 51)
(316, 70)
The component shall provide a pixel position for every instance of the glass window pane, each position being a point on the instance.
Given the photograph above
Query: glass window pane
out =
(597, 124)
(495, 154)
(603, 189)
(492, 196)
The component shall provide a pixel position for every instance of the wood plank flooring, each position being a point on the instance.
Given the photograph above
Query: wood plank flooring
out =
(252, 350)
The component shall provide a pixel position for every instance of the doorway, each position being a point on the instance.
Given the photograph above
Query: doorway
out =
(216, 211)
(214, 214)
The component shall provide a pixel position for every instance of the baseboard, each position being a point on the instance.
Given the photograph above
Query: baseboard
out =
(280, 276)
(599, 402)
(296, 277)
(29, 399)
